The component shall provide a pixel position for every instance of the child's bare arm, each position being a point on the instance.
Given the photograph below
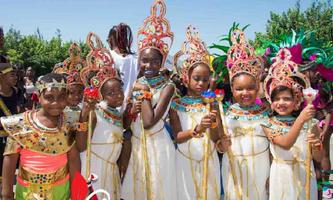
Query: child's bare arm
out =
(317, 147)
(81, 137)
(152, 115)
(74, 162)
(8, 175)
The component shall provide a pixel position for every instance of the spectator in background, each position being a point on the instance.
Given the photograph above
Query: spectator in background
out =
(29, 85)
(120, 40)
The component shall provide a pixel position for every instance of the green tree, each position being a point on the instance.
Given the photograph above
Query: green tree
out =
(33, 50)
(318, 18)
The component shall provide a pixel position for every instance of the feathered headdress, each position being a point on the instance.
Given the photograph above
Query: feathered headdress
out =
(284, 72)
(241, 57)
(155, 32)
(219, 63)
(193, 51)
(306, 51)
(72, 66)
(100, 67)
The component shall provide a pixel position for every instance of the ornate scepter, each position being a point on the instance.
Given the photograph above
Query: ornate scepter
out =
(208, 98)
(219, 98)
(139, 96)
(309, 95)
(91, 94)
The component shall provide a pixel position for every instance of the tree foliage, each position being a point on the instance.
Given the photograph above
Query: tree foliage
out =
(318, 18)
(35, 51)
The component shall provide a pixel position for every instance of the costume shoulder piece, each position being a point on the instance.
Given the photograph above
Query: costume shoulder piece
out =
(255, 112)
(30, 135)
(188, 104)
(12, 124)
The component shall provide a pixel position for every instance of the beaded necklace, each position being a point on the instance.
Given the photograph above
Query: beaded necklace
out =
(189, 104)
(280, 124)
(38, 126)
(155, 83)
(254, 112)
(111, 115)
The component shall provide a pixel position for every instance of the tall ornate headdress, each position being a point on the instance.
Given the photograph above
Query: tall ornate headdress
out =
(307, 51)
(100, 66)
(193, 51)
(284, 72)
(241, 57)
(155, 32)
(72, 65)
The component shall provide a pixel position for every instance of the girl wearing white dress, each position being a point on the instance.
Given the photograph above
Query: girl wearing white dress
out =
(289, 135)
(247, 161)
(190, 120)
(151, 170)
(104, 85)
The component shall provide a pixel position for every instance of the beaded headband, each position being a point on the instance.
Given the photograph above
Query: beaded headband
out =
(284, 72)
(193, 51)
(72, 65)
(155, 32)
(241, 57)
(41, 85)
(100, 66)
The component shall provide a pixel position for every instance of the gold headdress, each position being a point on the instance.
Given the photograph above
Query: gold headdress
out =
(41, 85)
(241, 57)
(284, 72)
(193, 51)
(155, 32)
(100, 66)
(72, 65)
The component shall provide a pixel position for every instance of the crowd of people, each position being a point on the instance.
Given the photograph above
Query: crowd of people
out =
(122, 122)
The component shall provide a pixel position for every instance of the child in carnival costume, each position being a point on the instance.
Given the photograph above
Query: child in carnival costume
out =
(151, 171)
(104, 84)
(43, 141)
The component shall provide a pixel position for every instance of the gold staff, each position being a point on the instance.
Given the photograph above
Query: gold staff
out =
(219, 98)
(208, 99)
(145, 157)
(309, 95)
(88, 155)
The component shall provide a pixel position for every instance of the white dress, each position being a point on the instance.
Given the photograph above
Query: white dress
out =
(190, 155)
(161, 161)
(250, 154)
(129, 70)
(288, 173)
(106, 147)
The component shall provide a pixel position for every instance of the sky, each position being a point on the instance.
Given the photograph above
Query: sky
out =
(75, 18)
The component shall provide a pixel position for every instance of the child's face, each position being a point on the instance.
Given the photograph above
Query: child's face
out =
(75, 94)
(150, 62)
(283, 103)
(245, 90)
(198, 80)
(54, 101)
(112, 93)
(9, 78)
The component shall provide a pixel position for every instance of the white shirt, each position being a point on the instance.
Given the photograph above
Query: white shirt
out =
(129, 69)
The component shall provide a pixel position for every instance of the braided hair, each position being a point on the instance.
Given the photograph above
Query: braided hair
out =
(121, 36)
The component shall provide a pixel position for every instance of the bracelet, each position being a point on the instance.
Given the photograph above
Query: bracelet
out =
(82, 126)
(146, 95)
(195, 134)
(214, 125)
